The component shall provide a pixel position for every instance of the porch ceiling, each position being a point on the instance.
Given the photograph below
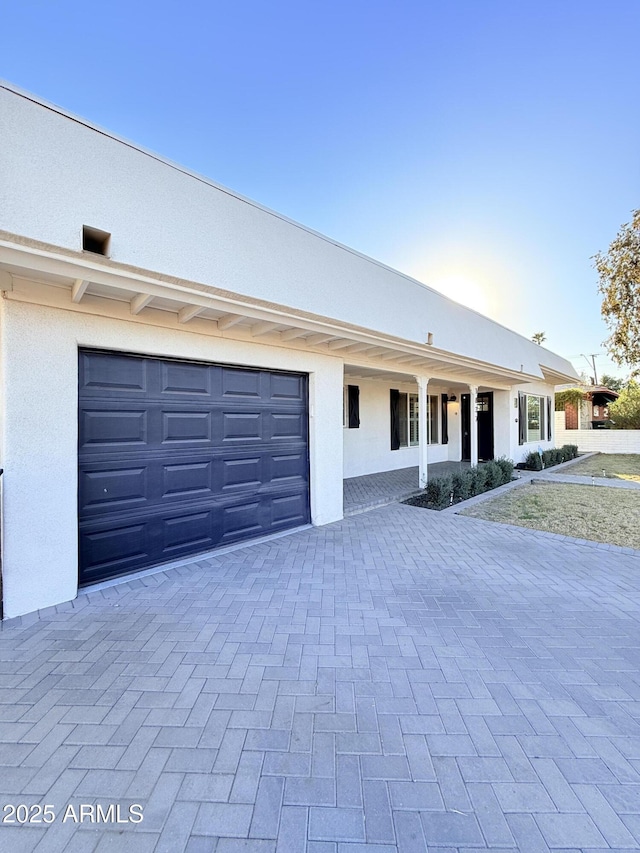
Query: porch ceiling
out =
(81, 281)
(436, 373)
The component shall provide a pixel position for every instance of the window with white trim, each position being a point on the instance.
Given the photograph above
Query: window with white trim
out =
(414, 424)
(405, 419)
(534, 415)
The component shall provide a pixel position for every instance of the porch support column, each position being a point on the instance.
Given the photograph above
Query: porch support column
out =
(473, 399)
(423, 437)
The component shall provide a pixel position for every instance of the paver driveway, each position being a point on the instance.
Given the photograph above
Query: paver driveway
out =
(398, 680)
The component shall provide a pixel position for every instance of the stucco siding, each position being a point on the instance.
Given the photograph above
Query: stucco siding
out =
(164, 219)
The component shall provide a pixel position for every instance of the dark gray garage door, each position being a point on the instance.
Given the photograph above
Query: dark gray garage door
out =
(179, 457)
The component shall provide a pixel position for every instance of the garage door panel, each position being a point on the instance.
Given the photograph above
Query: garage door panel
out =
(241, 383)
(113, 551)
(176, 458)
(242, 473)
(241, 521)
(288, 466)
(193, 427)
(288, 510)
(287, 426)
(286, 387)
(123, 488)
(104, 428)
(112, 374)
(183, 379)
(241, 426)
(189, 479)
(190, 532)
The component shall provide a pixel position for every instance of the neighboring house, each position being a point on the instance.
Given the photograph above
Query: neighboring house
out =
(590, 412)
(183, 368)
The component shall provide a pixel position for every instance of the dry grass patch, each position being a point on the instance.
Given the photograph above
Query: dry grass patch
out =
(587, 512)
(621, 466)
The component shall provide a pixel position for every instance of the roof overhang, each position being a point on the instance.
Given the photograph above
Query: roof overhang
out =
(84, 281)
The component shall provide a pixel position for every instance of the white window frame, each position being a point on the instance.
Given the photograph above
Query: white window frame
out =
(414, 419)
(406, 399)
(542, 419)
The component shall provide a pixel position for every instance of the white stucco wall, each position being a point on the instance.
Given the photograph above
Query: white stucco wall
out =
(597, 440)
(164, 219)
(503, 416)
(367, 449)
(40, 432)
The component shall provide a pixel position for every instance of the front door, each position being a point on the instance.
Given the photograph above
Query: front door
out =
(484, 417)
(484, 408)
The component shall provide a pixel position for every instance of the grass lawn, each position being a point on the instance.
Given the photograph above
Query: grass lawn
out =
(588, 512)
(621, 466)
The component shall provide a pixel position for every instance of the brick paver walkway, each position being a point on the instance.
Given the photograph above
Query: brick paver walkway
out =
(399, 681)
(377, 489)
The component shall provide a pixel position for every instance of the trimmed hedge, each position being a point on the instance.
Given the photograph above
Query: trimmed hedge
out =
(449, 489)
(551, 457)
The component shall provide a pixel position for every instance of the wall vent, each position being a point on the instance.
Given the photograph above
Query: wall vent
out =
(96, 241)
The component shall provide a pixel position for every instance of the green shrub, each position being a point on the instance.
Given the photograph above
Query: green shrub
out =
(506, 467)
(492, 475)
(439, 490)
(533, 461)
(551, 457)
(478, 481)
(461, 482)
(569, 451)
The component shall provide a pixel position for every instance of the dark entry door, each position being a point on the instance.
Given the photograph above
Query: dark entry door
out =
(484, 409)
(178, 457)
(465, 425)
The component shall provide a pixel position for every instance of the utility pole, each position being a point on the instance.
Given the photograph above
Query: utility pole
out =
(592, 356)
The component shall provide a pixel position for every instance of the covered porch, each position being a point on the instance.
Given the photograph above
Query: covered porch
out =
(369, 490)
(401, 427)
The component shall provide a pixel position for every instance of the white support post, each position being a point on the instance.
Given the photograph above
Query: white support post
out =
(423, 429)
(473, 400)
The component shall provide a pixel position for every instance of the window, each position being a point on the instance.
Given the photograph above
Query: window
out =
(534, 418)
(414, 426)
(405, 421)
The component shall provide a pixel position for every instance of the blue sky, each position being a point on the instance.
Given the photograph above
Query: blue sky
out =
(487, 148)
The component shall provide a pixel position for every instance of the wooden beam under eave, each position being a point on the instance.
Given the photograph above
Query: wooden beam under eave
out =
(263, 328)
(140, 301)
(339, 344)
(291, 334)
(229, 320)
(359, 348)
(79, 289)
(314, 340)
(189, 312)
